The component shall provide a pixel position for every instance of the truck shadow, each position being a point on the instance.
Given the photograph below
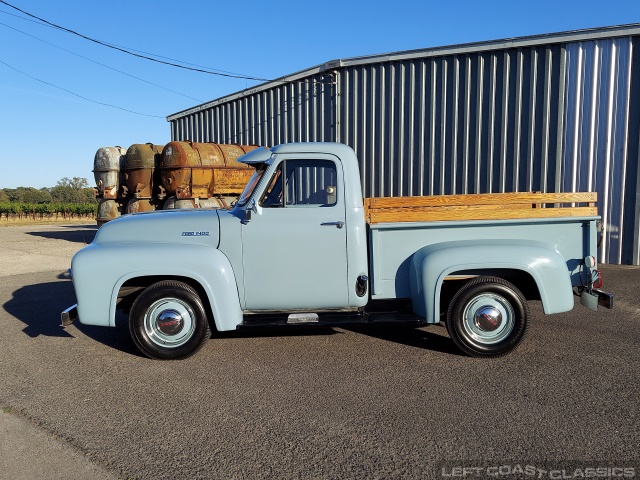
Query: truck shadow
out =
(39, 306)
(71, 233)
(434, 340)
(117, 337)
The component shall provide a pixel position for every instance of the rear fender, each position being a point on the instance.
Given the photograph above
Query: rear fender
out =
(432, 264)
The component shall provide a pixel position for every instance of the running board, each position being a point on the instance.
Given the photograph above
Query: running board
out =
(254, 321)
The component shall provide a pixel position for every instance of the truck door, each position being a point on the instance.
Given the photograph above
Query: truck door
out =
(295, 250)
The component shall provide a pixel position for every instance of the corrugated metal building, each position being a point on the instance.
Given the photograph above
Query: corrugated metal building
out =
(551, 113)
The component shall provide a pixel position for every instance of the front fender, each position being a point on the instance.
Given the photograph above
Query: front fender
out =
(430, 265)
(100, 270)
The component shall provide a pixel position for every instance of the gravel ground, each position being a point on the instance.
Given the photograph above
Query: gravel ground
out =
(326, 403)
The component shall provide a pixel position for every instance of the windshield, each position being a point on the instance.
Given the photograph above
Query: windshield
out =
(253, 183)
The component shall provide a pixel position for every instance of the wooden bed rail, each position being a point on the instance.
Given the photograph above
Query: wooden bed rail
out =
(490, 206)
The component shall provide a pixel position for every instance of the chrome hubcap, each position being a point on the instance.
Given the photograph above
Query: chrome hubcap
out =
(488, 318)
(169, 322)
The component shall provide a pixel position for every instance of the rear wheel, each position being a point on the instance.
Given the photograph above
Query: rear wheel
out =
(488, 317)
(168, 321)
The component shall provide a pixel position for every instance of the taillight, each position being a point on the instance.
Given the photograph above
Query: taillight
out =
(597, 279)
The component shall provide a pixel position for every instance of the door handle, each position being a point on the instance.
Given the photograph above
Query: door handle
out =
(336, 224)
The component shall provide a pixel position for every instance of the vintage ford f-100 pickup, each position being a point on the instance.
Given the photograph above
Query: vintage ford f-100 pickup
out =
(302, 247)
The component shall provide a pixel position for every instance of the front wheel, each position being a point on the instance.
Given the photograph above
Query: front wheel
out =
(167, 321)
(488, 317)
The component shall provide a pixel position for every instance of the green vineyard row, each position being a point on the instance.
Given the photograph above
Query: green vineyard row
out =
(63, 209)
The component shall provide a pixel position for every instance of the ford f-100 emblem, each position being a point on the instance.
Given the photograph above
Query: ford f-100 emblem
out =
(195, 234)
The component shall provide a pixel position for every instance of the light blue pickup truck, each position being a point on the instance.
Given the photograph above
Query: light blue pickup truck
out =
(301, 246)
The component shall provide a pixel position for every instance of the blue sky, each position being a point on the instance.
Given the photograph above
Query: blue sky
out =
(47, 133)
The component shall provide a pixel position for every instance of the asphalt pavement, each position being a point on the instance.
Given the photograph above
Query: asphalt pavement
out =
(28, 452)
(326, 403)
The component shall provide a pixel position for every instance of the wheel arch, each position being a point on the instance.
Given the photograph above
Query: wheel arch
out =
(530, 261)
(211, 275)
(454, 281)
(132, 288)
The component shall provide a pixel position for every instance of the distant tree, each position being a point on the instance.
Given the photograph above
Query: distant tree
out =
(74, 190)
(61, 194)
(76, 183)
(28, 195)
(45, 195)
(32, 195)
(13, 194)
(88, 195)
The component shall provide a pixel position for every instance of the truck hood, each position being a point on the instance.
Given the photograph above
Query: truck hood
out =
(190, 227)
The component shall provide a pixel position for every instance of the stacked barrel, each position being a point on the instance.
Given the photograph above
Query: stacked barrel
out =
(179, 175)
(107, 167)
(141, 176)
(203, 174)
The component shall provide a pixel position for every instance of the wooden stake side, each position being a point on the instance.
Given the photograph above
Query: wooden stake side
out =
(480, 207)
(481, 199)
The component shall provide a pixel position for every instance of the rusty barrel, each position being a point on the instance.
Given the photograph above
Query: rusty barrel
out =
(140, 172)
(107, 165)
(217, 202)
(212, 202)
(173, 203)
(203, 170)
(108, 209)
(136, 205)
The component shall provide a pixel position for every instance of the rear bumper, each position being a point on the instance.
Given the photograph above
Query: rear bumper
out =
(69, 316)
(595, 298)
(604, 299)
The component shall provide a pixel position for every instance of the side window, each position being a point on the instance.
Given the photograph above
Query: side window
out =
(302, 183)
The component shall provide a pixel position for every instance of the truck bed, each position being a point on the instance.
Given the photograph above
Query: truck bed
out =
(398, 227)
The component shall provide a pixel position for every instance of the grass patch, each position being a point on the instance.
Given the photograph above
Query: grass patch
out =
(6, 409)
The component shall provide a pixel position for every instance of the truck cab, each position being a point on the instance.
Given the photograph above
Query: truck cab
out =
(303, 233)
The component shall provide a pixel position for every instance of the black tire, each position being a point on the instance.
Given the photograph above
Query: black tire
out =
(488, 317)
(168, 321)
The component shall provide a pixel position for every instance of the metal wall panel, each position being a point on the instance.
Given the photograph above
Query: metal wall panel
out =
(474, 123)
(295, 111)
(550, 113)
(598, 77)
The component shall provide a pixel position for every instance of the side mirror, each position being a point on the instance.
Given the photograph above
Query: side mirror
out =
(251, 208)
